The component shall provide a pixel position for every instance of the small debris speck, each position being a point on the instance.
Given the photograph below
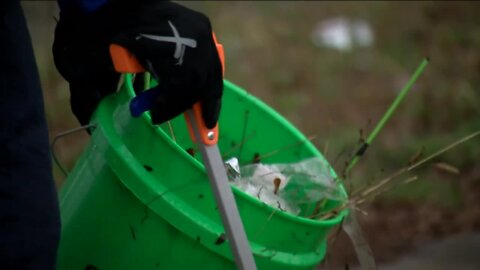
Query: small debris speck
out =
(148, 168)
(191, 151)
(221, 239)
(256, 158)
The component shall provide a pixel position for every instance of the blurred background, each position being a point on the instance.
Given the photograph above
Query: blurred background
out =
(332, 69)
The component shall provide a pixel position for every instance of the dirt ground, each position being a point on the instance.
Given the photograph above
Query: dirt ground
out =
(395, 229)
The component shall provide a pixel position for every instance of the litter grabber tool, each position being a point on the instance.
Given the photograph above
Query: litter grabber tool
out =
(206, 139)
(139, 198)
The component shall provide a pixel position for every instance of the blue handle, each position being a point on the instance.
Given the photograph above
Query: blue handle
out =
(144, 101)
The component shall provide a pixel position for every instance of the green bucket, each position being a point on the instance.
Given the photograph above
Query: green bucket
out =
(138, 199)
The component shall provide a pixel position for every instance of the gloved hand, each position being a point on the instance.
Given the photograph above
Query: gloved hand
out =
(171, 41)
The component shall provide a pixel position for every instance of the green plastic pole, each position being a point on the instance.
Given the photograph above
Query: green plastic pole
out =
(388, 114)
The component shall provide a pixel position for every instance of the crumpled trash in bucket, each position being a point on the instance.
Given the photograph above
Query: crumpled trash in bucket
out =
(232, 167)
(286, 186)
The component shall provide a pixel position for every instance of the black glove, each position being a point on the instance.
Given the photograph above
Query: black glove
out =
(171, 41)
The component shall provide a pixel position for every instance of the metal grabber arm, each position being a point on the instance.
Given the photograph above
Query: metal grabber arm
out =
(125, 62)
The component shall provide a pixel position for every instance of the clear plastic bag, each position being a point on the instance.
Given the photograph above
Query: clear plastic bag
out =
(288, 186)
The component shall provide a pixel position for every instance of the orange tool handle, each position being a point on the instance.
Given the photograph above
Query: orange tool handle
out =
(125, 62)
